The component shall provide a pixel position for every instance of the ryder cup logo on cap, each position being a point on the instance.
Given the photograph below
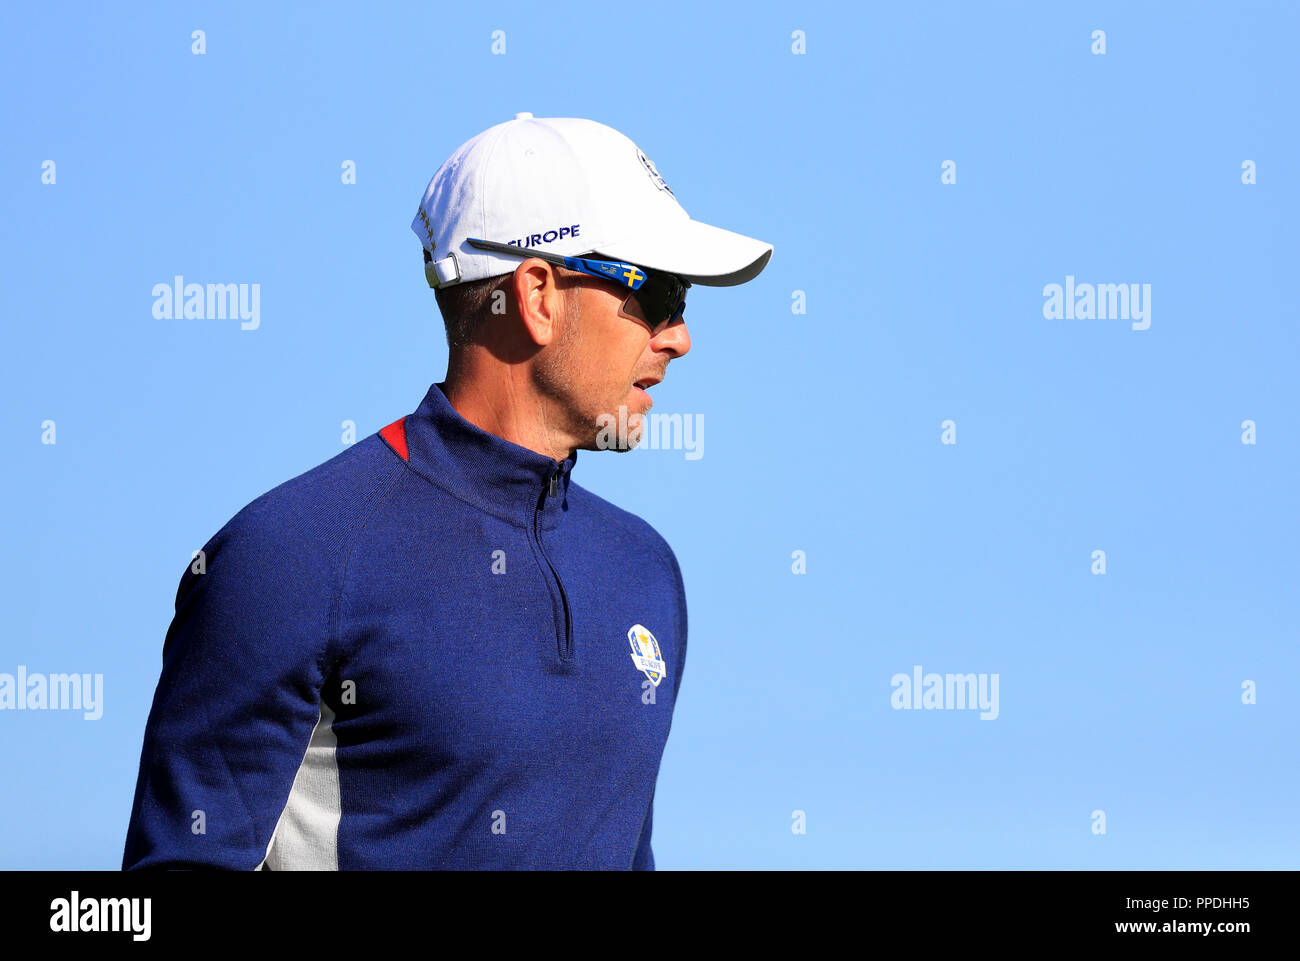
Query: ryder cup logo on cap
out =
(568, 186)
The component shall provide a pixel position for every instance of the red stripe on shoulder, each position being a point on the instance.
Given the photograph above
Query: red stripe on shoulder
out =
(395, 434)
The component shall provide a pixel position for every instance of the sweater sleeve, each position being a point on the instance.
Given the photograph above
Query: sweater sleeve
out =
(244, 662)
(645, 859)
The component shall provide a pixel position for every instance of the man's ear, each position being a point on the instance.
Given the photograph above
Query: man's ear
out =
(540, 300)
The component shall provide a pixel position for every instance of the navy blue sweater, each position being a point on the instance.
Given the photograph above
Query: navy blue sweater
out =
(432, 651)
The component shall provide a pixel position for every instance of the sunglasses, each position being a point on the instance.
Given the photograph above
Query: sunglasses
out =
(655, 298)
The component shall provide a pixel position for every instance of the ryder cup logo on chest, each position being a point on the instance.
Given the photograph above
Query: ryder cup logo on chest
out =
(645, 654)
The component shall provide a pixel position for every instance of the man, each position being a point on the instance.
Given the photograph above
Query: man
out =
(435, 650)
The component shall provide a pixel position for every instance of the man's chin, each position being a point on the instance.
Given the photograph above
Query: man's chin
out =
(619, 430)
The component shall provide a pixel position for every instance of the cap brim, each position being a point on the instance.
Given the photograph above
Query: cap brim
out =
(698, 252)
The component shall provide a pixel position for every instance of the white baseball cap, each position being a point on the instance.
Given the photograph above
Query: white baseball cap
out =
(568, 186)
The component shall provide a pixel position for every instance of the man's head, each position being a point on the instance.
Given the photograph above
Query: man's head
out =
(585, 345)
(550, 348)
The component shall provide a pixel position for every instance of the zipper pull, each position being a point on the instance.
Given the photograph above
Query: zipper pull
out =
(554, 486)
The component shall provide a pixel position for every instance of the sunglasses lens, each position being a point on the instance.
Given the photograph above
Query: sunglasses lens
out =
(657, 302)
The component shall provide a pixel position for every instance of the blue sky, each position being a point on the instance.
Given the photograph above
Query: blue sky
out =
(1118, 692)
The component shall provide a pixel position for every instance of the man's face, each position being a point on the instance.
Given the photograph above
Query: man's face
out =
(600, 356)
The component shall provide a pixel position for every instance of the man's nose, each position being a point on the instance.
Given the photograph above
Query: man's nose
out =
(674, 338)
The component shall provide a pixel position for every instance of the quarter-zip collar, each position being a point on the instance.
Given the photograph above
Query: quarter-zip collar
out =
(487, 471)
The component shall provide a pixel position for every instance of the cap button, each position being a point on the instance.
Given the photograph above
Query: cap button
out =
(524, 116)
